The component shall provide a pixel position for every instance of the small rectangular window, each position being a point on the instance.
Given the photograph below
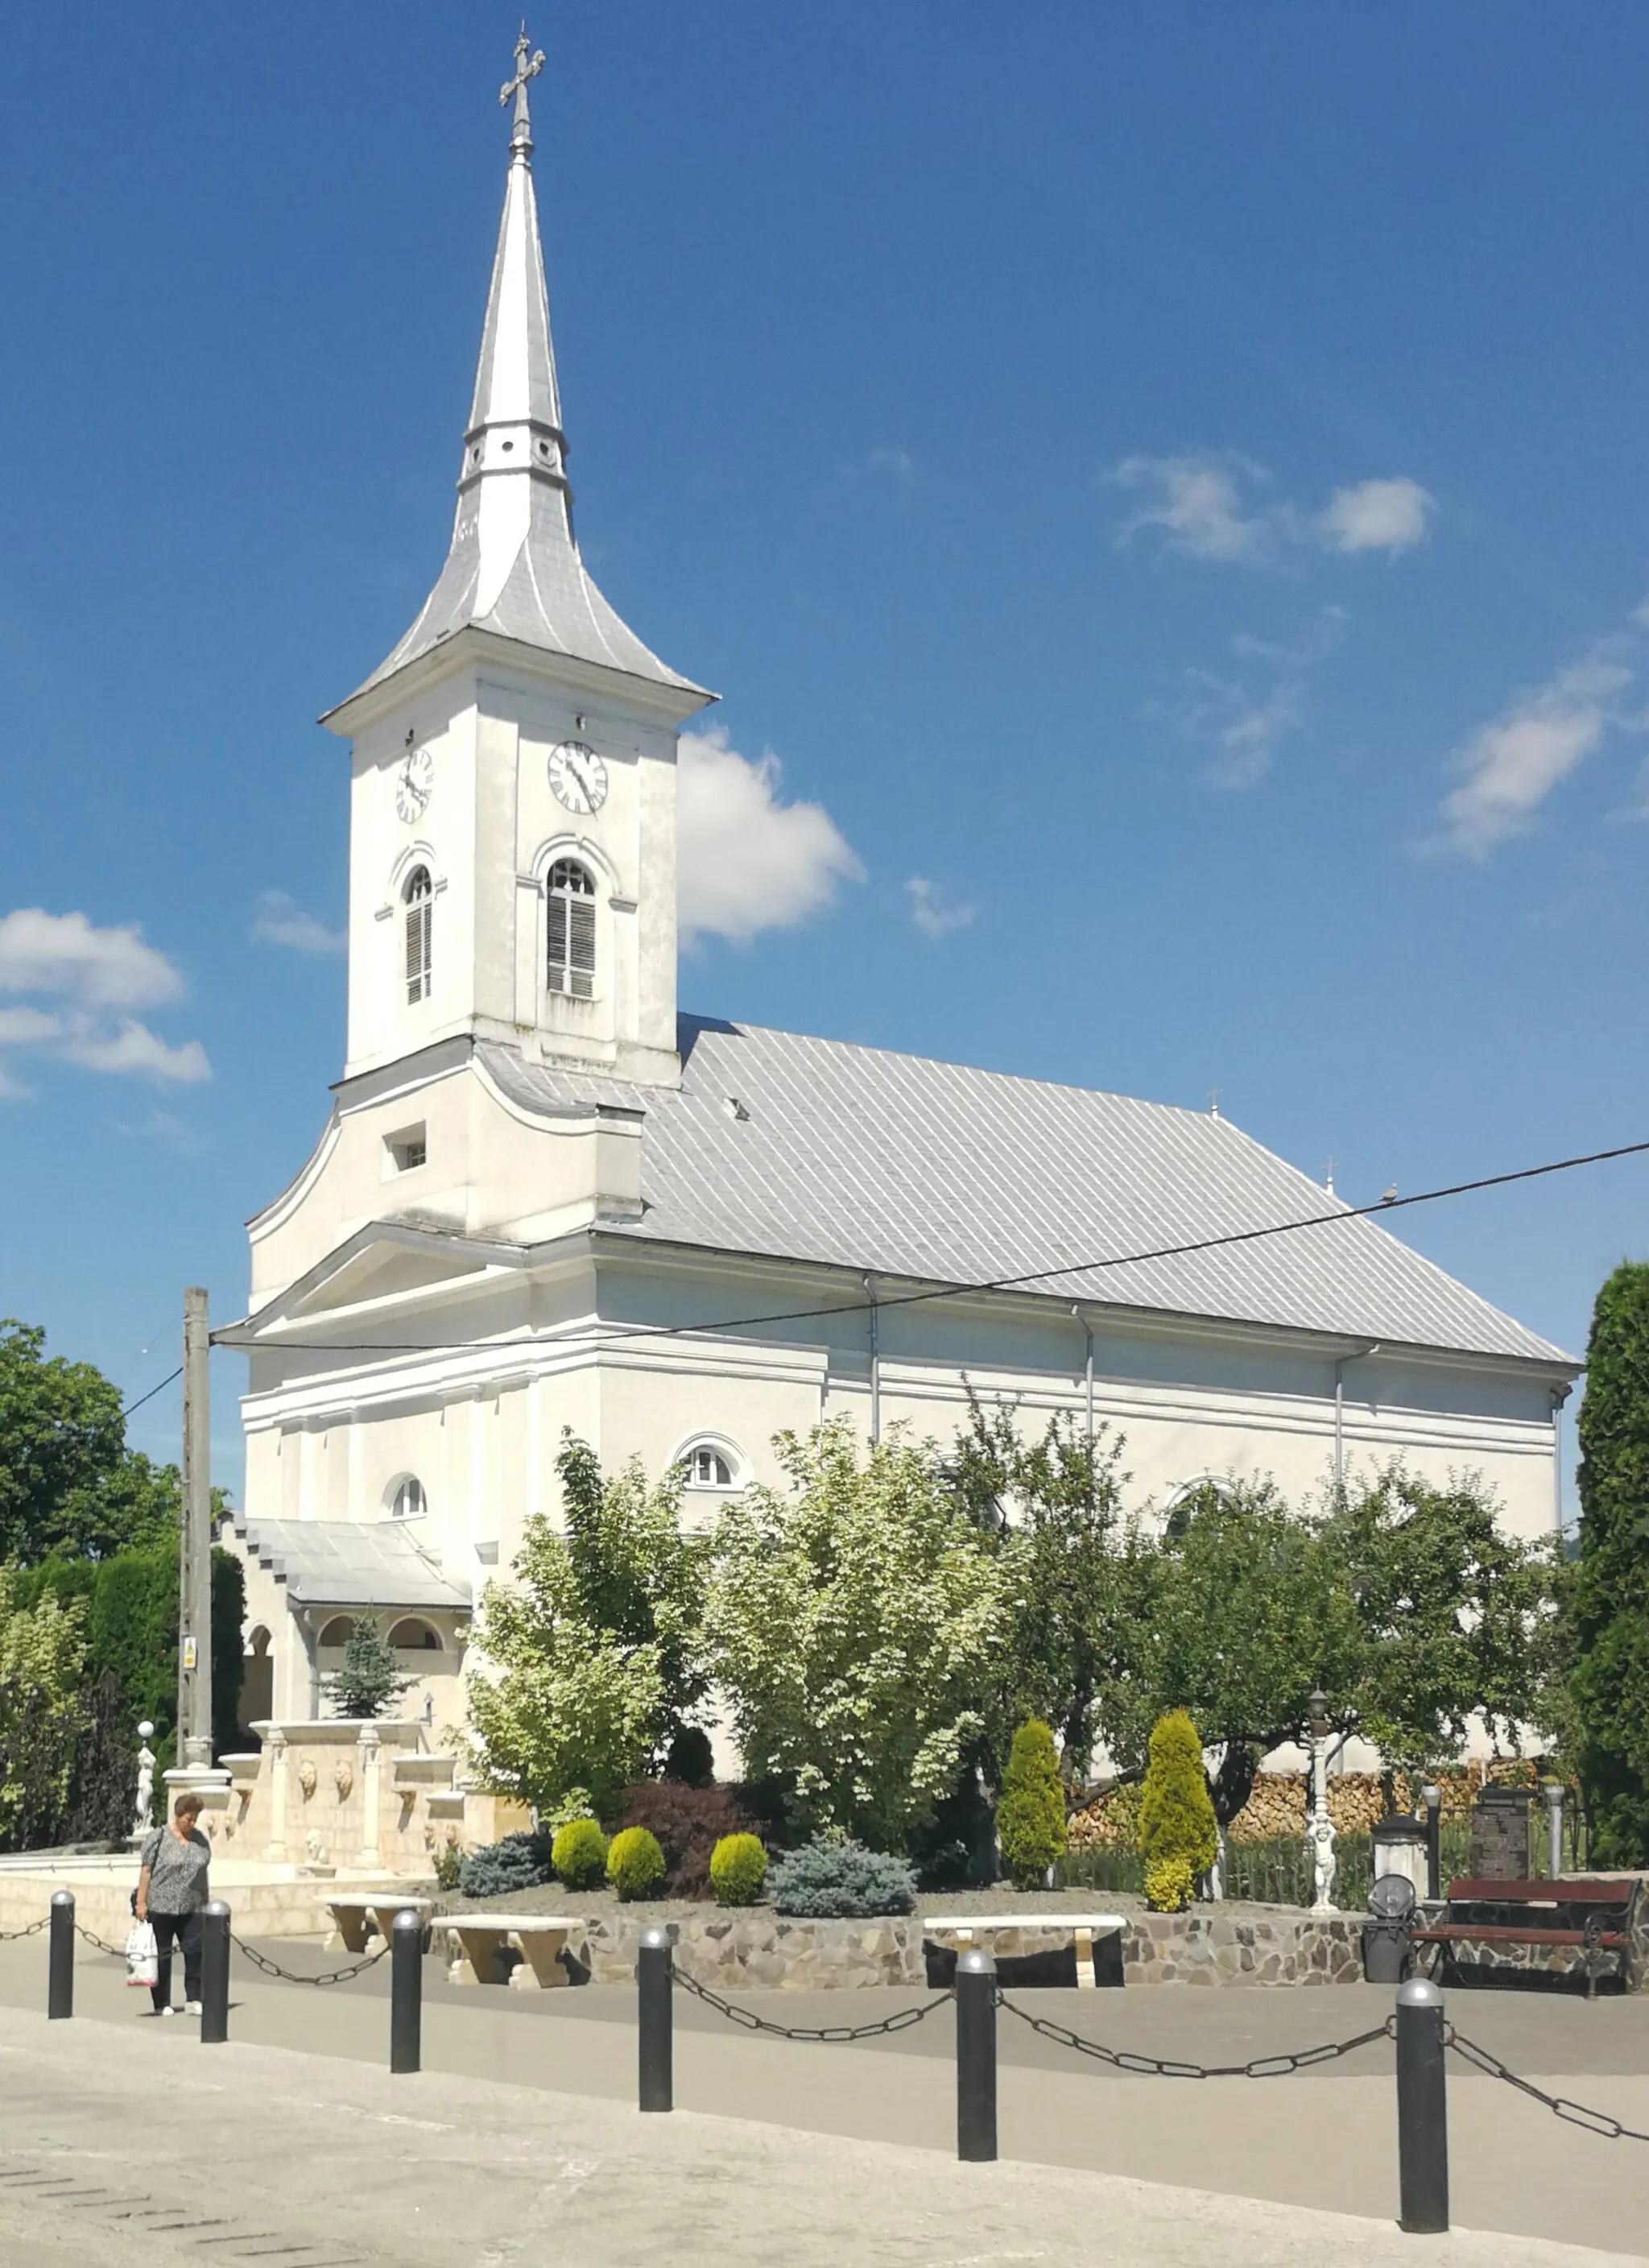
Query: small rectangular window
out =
(407, 1150)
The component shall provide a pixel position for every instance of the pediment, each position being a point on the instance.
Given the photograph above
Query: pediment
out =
(384, 1266)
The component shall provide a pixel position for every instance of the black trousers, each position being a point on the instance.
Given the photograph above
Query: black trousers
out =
(185, 1931)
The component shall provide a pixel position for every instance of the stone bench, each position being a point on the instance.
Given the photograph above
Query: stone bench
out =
(477, 1944)
(1002, 1931)
(356, 1920)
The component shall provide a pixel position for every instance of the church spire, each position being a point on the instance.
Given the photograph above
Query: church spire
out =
(514, 567)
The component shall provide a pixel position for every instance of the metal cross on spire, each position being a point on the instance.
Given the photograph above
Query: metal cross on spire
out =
(529, 63)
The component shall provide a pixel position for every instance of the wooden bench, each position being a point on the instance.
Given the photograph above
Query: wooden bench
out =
(356, 1920)
(1597, 1917)
(478, 1942)
(1084, 1928)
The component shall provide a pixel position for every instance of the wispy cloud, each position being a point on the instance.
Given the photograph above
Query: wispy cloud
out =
(1510, 765)
(898, 464)
(1216, 508)
(1246, 706)
(749, 861)
(934, 911)
(280, 920)
(88, 975)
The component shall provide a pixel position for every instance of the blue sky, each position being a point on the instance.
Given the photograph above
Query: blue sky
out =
(1168, 483)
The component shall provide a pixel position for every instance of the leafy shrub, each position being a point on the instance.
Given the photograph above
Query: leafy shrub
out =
(634, 1864)
(449, 1866)
(578, 1855)
(827, 1878)
(690, 1757)
(1168, 1885)
(688, 1822)
(738, 1870)
(1031, 1817)
(1176, 1818)
(521, 1862)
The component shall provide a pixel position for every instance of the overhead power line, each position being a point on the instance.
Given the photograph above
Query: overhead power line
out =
(133, 1406)
(990, 1284)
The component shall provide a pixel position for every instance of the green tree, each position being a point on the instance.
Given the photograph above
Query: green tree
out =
(1611, 1584)
(1031, 1817)
(595, 1651)
(368, 1682)
(43, 1655)
(60, 1438)
(1074, 1572)
(1241, 1612)
(854, 1621)
(1454, 1617)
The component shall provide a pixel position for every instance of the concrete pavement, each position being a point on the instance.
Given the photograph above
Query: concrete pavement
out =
(1322, 2140)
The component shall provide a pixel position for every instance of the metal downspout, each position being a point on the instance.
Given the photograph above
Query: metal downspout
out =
(1361, 1354)
(1087, 1366)
(876, 1379)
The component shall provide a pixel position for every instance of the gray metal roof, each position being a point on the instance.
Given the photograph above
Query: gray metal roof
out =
(514, 567)
(817, 1150)
(347, 1563)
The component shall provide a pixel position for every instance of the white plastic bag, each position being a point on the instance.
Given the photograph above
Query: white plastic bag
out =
(143, 1955)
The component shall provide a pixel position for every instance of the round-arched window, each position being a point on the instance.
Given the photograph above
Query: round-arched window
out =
(414, 1637)
(571, 954)
(338, 1631)
(418, 897)
(710, 1465)
(1190, 1497)
(408, 1500)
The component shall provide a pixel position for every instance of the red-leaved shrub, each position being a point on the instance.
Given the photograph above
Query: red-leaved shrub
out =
(688, 1822)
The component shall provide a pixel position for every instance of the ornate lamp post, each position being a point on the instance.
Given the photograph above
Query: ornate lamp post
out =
(1319, 1827)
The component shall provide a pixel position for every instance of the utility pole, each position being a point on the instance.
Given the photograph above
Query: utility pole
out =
(194, 1544)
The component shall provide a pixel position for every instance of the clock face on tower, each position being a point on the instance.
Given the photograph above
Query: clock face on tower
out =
(413, 784)
(577, 777)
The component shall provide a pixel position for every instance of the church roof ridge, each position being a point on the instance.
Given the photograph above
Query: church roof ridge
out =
(785, 1146)
(514, 567)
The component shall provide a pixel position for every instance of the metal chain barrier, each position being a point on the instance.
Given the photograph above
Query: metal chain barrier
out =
(102, 1945)
(7, 1936)
(292, 1976)
(835, 2035)
(1578, 2114)
(1271, 2067)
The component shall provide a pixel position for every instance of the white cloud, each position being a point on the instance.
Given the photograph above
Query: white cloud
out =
(134, 1047)
(280, 920)
(65, 952)
(934, 911)
(1379, 516)
(1245, 709)
(897, 462)
(88, 972)
(747, 861)
(1207, 508)
(1510, 765)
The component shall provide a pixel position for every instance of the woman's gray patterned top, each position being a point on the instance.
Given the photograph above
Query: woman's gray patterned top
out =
(177, 1871)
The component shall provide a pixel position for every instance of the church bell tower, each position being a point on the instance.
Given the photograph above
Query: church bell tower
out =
(512, 803)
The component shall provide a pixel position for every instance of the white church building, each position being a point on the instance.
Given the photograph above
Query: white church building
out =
(544, 1199)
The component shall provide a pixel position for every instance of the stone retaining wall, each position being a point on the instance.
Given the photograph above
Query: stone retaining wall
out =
(757, 1948)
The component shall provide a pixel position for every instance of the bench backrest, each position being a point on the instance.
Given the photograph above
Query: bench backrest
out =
(1563, 1893)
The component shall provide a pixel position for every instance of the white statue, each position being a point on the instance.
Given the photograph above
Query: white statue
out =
(1324, 1864)
(142, 1823)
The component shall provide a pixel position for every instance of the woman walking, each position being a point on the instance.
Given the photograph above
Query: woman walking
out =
(172, 1888)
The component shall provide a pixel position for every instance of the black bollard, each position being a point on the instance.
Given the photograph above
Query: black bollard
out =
(406, 1990)
(214, 1973)
(975, 2056)
(1422, 2110)
(654, 1980)
(60, 1975)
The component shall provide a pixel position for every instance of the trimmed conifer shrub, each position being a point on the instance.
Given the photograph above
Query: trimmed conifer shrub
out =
(690, 1758)
(578, 1855)
(1168, 1886)
(634, 1864)
(828, 1879)
(521, 1862)
(738, 1870)
(1031, 1817)
(1176, 1818)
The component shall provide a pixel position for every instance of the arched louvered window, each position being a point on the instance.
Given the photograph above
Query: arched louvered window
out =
(572, 930)
(419, 897)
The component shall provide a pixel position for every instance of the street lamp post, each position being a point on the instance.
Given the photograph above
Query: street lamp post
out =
(1319, 1827)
